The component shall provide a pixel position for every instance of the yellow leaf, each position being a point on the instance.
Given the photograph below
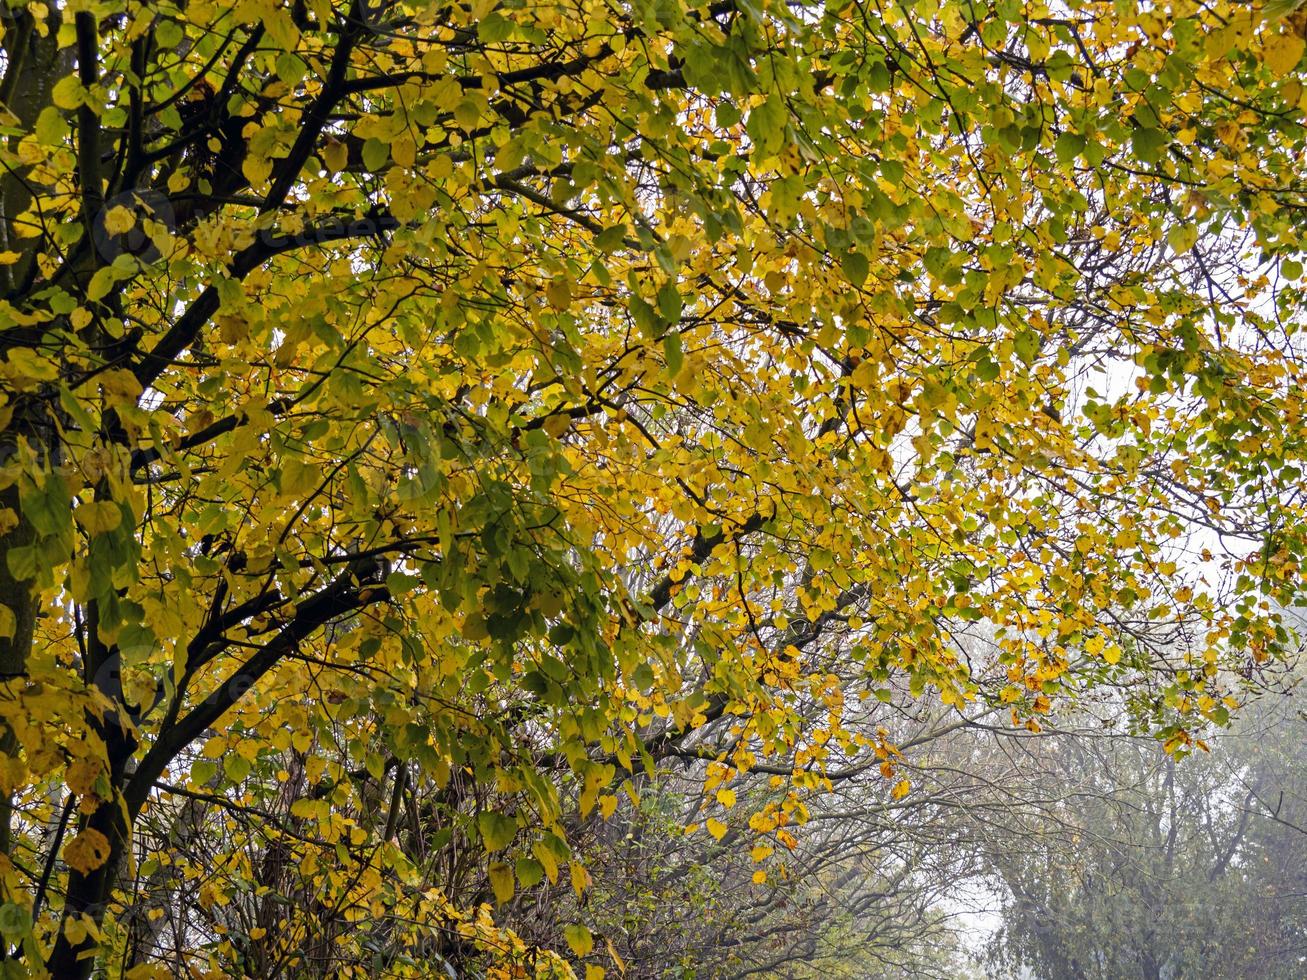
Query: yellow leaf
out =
(121, 386)
(118, 220)
(726, 797)
(900, 789)
(716, 828)
(87, 851)
(559, 293)
(100, 284)
(256, 169)
(1283, 52)
(501, 881)
(99, 516)
(335, 155)
(579, 939)
(27, 365)
(759, 877)
(593, 972)
(547, 860)
(13, 772)
(403, 150)
(1182, 238)
(468, 112)
(557, 424)
(761, 852)
(580, 878)
(440, 167)
(68, 93)
(81, 775)
(612, 953)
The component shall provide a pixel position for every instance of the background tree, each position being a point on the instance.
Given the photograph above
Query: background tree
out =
(1152, 868)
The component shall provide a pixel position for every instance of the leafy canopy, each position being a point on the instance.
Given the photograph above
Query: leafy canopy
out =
(494, 395)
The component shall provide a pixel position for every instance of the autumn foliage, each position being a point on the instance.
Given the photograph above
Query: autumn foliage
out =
(423, 422)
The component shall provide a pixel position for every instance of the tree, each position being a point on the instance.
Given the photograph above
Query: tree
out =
(854, 882)
(442, 413)
(1145, 867)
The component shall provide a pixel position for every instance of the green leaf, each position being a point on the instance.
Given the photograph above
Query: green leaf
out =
(669, 302)
(76, 410)
(495, 27)
(235, 766)
(855, 267)
(673, 354)
(529, 872)
(497, 829)
(1149, 144)
(645, 317)
(643, 676)
(15, 920)
(611, 238)
(290, 68)
(202, 771)
(1068, 147)
(1026, 344)
(375, 154)
(51, 128)
(766, 126)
